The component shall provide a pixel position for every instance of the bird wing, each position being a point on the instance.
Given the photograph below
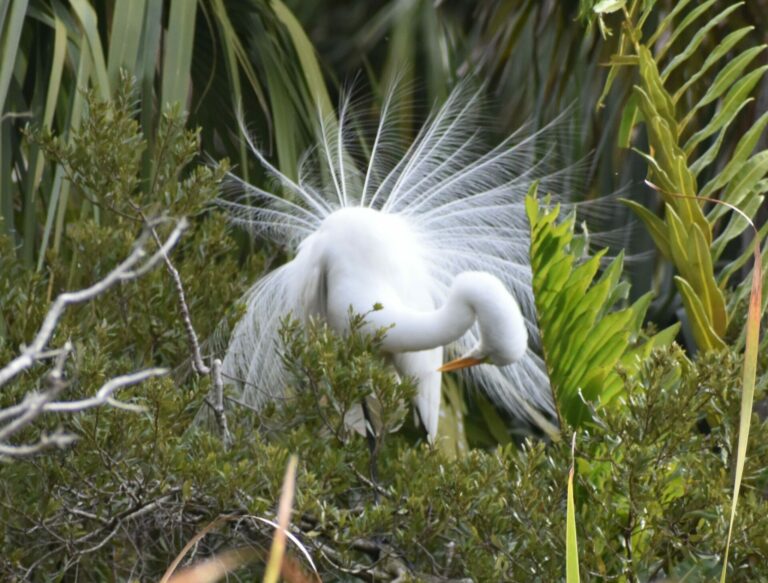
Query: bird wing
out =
(298, 289)
(309, 279)
(251, 363)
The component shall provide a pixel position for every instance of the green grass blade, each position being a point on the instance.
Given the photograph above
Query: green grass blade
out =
(54, 85)
(451, 437)
(89, 23)
(10, 45)
(436, 38)
(492, 421)
(307, 58)
(178, 53)
(231, 41)
(75, 116)
(7, 186)
(150, 44)
(36, 78)
(228, 40)
(284, 118)
(571, 543)
(754, 315)
(125, 34)
(3, 12)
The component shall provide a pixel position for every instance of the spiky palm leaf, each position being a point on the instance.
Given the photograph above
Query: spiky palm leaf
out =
(584, 335)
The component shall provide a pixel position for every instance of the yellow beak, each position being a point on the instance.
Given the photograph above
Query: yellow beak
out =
(460, 363)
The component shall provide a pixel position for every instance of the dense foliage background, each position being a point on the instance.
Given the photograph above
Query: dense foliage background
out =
(117, 113)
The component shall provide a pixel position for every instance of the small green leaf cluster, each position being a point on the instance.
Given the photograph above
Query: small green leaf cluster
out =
(117, 466)
(104, 162)
(658, 470)
(583, 337)
(350, 373)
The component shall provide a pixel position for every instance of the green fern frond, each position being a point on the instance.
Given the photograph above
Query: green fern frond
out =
(584, 337)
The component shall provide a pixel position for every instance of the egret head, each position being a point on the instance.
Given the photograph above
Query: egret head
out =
(503, 334)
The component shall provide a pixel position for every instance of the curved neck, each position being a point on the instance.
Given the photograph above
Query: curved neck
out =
(416, 330)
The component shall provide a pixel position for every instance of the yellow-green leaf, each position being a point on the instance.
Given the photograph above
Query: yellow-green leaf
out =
(654, 86)
(737, 98)
(713, 57)
(655, 226)
(743, 150)
(678, 239)
(711, 154)
(697, 39)
(706, 338)
(737, 223)
(682, 26)
(571, 544)
(704, 282)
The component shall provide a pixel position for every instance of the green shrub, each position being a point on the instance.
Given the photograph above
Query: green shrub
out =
(653, 472)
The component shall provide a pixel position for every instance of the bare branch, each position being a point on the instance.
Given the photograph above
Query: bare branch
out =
(194, 344)
(35, 403)
(129, 269)
(218, 403)
(58, 439)
(104, 394)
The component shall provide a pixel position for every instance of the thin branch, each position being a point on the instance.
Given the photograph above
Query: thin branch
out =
(129, 269)
(104, 394)
(218, 403)
(194, 344)
(35, 403)
(197, 359)
(58, 439)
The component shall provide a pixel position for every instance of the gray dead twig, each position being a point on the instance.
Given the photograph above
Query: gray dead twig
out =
(17, 417)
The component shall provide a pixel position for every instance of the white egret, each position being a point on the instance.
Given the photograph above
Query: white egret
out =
(435, 233)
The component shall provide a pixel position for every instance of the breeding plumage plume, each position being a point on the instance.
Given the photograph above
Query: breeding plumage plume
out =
(436, 233)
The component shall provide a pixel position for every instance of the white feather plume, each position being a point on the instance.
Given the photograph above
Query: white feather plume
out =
(463, 200)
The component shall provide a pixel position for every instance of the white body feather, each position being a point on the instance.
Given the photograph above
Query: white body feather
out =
(402, 231)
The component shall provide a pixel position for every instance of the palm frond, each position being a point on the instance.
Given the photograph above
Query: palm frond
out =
(583, 337)
(687, 121)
